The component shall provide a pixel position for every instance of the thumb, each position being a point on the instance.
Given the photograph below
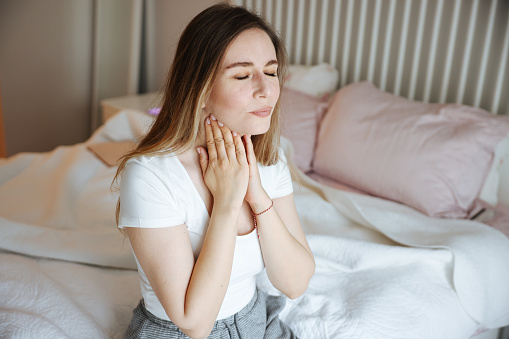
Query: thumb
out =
(251, 158)
(204, 159)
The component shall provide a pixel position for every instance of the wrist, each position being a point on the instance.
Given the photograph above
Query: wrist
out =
(227, 207)
(261, 204)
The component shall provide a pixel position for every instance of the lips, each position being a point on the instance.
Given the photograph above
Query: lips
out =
(262, 113)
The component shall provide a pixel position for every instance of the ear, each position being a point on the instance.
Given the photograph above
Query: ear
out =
(204, 104)
(205, 100)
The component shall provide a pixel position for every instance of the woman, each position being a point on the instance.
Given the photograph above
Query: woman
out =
(204, 205)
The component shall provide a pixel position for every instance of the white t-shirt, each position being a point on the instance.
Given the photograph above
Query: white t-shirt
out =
(158, 192)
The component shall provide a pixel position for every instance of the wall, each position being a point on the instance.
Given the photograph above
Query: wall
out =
(59, 58)
(117, 34)
(161, 36)
(3, 151)
(45, 72)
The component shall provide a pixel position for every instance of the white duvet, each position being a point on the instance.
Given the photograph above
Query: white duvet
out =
(383, 269)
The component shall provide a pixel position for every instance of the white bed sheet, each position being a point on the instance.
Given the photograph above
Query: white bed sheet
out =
(42, 298)
(383, 269)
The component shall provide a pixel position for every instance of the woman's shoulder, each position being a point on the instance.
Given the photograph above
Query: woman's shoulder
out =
(285, 149)
(275, 168)
(160, 167)
(276, 178)
(153, 161)
(282, 151)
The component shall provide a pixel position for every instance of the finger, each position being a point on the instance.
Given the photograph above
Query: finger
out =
(204, 159)
(240, 149)
(218, 138)
(251, 158)
(209, 136)
(229, 144)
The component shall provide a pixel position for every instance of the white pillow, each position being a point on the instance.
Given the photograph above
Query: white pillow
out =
(319, 81)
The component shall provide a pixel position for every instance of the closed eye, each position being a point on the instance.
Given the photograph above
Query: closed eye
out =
(248, 76)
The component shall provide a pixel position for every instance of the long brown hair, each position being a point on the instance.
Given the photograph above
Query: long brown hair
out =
(197, 61)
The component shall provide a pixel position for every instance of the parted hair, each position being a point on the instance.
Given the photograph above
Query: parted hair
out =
(197, 61)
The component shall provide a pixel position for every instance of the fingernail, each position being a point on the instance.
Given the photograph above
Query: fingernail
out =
(220, 123)
(234, 134)
(208, 121)
(198, 149)
(213, 117)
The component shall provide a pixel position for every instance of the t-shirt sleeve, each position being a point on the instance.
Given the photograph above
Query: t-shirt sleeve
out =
(284, 184)
(146, 200)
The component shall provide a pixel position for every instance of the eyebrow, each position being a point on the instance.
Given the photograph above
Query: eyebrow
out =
(249, 64)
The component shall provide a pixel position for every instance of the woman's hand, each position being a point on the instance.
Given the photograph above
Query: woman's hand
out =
(256, 196)
(225, 168)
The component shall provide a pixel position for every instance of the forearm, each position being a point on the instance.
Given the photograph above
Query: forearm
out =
(289, 263)
(211, 273)
(225, 172)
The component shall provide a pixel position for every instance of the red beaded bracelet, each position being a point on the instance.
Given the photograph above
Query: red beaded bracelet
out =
(257, 214)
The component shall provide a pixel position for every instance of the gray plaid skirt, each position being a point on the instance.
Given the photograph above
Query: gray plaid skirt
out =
(258, 319)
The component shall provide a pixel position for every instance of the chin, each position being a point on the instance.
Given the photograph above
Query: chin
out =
(258, 129)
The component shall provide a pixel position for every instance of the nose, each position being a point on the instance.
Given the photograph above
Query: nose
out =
(262, 85)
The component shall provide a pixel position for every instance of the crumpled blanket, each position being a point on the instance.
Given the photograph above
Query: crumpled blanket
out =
(383, 270)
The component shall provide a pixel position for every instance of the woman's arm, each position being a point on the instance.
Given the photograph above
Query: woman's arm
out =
(192, 293)
(286, 253)
(289, 261)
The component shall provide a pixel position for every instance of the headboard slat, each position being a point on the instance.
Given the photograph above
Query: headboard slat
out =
(388, 45)
(402, 49)
(323, 30)
(485, 52)
(502, 70)
(345, 65)
(432, 57)
(374, 42)
(311, 32)
(360, 41)
(335, 33)
(446, 75)
(417, 49)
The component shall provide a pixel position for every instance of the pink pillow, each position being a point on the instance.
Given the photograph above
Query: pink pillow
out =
(300, 117)
(433, 157)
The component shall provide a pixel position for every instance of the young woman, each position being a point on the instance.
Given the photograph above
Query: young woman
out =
(206, 198)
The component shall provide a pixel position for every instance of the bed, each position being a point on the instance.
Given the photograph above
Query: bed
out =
(405, 205)
(385, 269)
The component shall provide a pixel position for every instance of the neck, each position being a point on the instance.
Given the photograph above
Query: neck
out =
(201, 140)
(191, 155)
